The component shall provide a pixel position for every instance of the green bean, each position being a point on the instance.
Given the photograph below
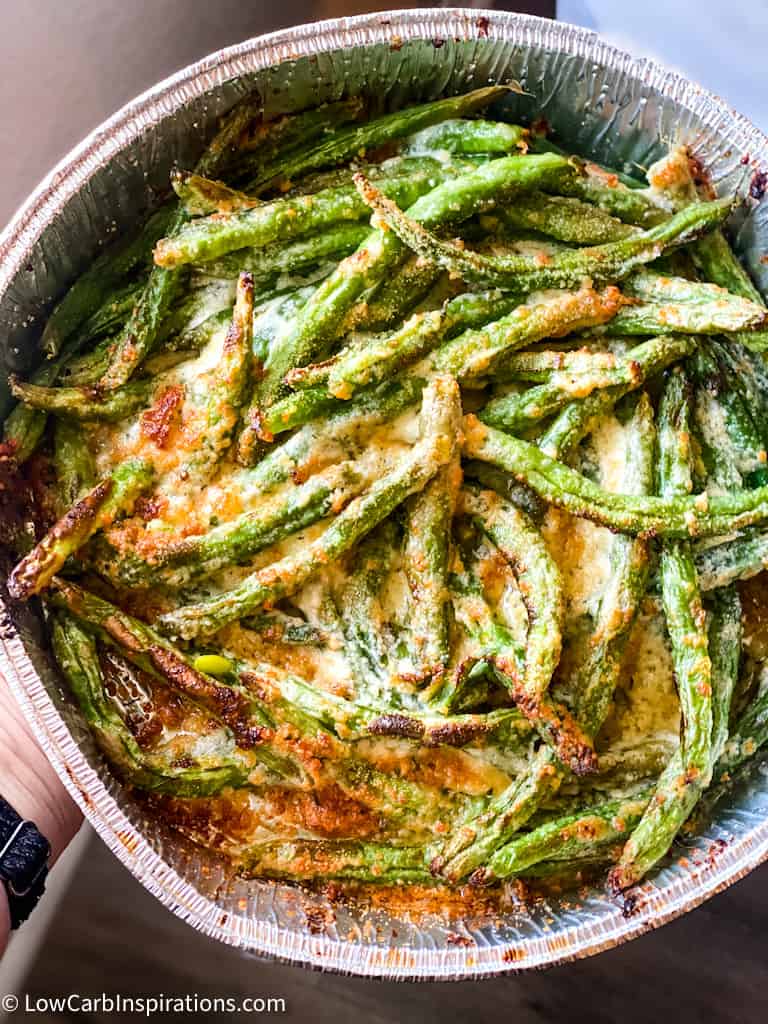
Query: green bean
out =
(682, 602)
(504, 727)
(720, 404)
(538, 142)
(286, 629)
(236, 541)
(718, 376)
(659, 287)
(296, 345)
(222, 151)
(261, 143)
(194, 308)
(583, 834)
(393, 167)
(604, 190)
(195, 338)
(93, 288)
(466, 687)
(714, 257)
(139, 335)
(73, 462)
(677, 517)
(673, 800)
(110, 315)
(426, 556)
(176, 333)
(475, 353)
(395, 297)
(747, 370)
(514, 412)
(23, 431)
(725, 644)
(345, 860)
(611, 261)
(454, 200)
(268, 263)
(272, 315)
(76, 654)
(521, 544)
(280, 221)
(505, 485)
(294, 411)
(111, 497)
(83, 403)
(474, 841)
(232, 705)
(676, 304)
(654, 318)
(747, 737)
(491, 638)
(712, 254)
(346, 422)
(350, 143)
(282, 578)
(361, 618)
(25, 425)
(576, 420)
(539, 366)
(690, 770)
(735, 559)
(476, 136)
(86, 370)
(571, 874)
(217, 395)
(564, 218)
(627, 765)
(359, 365)
(201, 196)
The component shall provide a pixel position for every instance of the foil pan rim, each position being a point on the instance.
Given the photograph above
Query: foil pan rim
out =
(657, 906)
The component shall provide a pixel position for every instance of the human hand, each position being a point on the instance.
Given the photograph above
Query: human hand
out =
(31, 787)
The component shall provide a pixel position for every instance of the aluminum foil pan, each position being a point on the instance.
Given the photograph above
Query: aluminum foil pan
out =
(600, 102)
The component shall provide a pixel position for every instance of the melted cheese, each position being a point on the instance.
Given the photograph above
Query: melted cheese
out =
(609, 441)
(647, 705)
(582, 552)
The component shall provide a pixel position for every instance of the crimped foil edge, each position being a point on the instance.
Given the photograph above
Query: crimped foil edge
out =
(658, 905)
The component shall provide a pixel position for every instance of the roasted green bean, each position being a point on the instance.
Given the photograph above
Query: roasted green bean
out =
(341, 506)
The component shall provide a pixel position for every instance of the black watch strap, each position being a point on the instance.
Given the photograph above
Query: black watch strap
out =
(24, 854)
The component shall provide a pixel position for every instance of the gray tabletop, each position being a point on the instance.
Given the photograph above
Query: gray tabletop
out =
(66, 66)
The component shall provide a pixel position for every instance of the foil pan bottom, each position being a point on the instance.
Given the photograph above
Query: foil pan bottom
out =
(600, 102)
